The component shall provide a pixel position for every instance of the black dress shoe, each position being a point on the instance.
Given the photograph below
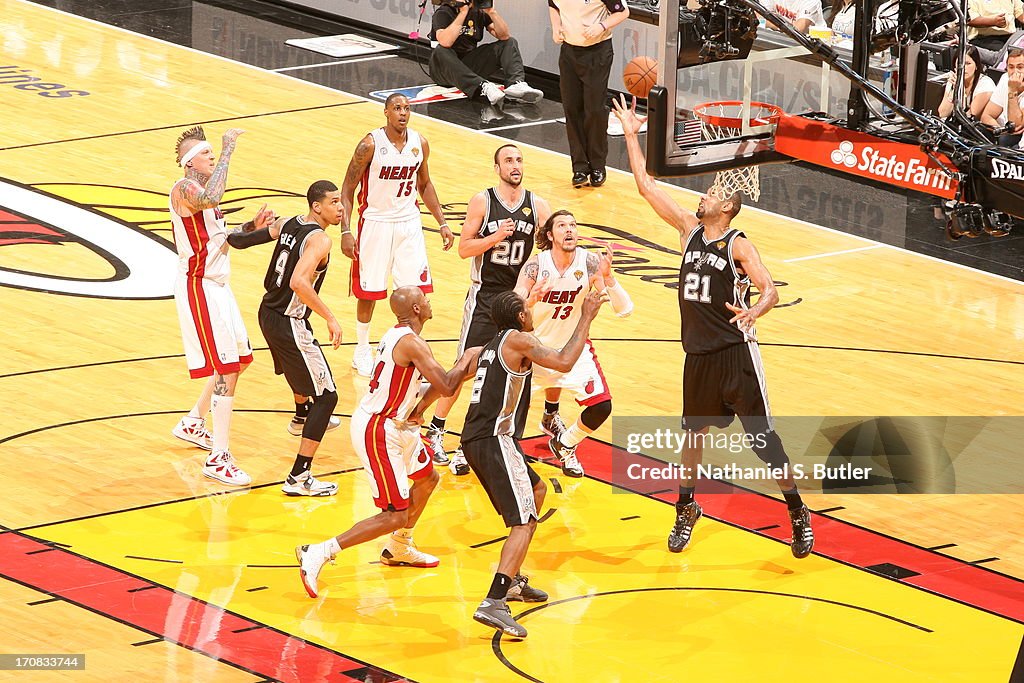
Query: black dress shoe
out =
(579, 179)
(597, 178)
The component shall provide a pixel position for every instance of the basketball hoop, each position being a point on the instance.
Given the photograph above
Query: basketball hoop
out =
(725, 119)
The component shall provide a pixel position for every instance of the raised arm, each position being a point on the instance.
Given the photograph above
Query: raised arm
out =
(425, 187)
(356, 168)
(524, 344)
(745, 256)
(602, 279)
(679, 218)
(195, 197)
(527, 281)
(316, 249)
(498, 28)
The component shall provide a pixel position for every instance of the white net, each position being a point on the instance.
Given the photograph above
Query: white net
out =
(723, 120)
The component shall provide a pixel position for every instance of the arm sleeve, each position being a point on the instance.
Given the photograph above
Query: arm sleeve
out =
(612, 5)
(619, 299)
(244, 240)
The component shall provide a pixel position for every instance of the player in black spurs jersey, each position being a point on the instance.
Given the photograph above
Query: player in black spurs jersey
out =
(722, 375)
(495, 412)
(498, 236)
(297, 269)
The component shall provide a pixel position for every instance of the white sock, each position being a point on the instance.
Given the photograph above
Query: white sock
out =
(221, 407)
(362, 334)
(332, 547)
(573, 435)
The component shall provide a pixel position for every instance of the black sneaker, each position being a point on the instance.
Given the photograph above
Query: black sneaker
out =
(803, 535)
(571, 466)
(598, 177)
(522, 591)
(495, 613)
(679, 537)
(579, 179)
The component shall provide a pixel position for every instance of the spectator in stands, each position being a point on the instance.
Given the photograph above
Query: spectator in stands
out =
(992, 21)
(1007, 99)
(459, 60)
(802, 14)
(978, 87)
(842, 17)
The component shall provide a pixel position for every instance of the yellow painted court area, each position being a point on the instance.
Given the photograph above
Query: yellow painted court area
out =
(91, 387)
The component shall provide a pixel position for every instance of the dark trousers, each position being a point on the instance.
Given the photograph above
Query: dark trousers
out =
(477, 65)
(583, 82)
(994, 43)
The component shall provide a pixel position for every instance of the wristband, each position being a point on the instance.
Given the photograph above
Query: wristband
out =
(346, 231)
(622, 305)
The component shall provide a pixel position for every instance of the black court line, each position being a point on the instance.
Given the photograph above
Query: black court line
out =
(766, 528)
(248, 628)
(658, 493)
(838, 507)
(211, 494)
(43, 550)
(152, 559)
(182, 126)
(942, 547)
(257, 588)
(547, 515)
(493, 540)
(556, 485)
(43, 602)
(142, 588)
(626, 519)
(496, 639)
(987, 559)
(271, 566)
(148, 642)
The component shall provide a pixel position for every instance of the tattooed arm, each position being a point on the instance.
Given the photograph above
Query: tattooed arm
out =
(527, 281)
(195, 197)
(356, 168)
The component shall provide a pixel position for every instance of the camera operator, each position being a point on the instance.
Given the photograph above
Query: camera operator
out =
(459, 60)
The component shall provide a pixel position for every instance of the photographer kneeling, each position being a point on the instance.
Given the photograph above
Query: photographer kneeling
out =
(459, 60)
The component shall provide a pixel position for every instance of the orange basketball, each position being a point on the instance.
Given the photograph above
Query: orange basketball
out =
(640, 75)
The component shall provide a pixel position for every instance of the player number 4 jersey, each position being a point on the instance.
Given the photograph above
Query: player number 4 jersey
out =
(393, 389)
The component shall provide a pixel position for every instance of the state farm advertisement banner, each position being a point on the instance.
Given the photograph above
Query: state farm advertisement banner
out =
(894, 163)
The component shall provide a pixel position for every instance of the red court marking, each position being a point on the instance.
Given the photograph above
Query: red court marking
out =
(946, 576)
(178, 618)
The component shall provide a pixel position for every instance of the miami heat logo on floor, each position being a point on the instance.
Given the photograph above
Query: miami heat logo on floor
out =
(106, 248)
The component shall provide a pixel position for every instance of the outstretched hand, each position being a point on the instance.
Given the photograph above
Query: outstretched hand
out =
(447, 237)
(626, 114)
(539, 290)
(263, 219)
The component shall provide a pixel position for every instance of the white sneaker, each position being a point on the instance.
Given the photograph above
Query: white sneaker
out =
(221, 466)
(308, 485)
(523, 91)
(312, 559)
(458, 465)
(362, 360)
(297, 423)
(193, 430)
(492, 92)
(401, 552)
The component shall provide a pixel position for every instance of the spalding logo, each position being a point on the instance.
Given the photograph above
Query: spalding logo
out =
(144, 264)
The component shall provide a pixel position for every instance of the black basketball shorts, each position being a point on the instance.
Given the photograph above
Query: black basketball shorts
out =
(718, 386)
(296, 353)
(500, 465)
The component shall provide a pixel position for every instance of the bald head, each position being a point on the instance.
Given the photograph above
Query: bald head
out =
(403, 299)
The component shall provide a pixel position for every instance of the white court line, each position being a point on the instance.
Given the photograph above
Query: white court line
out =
(314, 66)
(520, 125)
(833, 253)
(765, 212)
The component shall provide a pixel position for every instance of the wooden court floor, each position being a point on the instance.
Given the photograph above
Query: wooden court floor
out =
(114, 545)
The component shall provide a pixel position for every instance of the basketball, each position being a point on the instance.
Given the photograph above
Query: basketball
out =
(640, 75)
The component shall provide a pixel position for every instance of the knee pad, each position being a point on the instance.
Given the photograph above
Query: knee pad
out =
(768, 447)
(319, 416)
(594, 416)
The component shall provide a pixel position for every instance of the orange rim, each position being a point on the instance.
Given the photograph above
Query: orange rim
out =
(736, 122)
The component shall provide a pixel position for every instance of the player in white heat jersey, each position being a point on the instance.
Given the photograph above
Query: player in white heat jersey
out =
(391, 451)
(390, 169)
(216, 343)
(555, 281)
